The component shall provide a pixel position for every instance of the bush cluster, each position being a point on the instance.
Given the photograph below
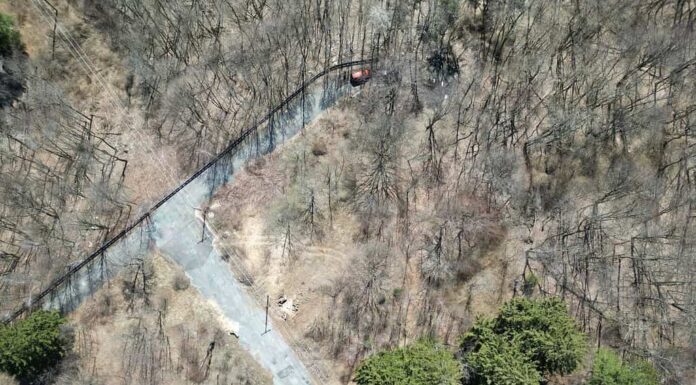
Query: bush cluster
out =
(526, 342)
(9, 36)
(609, 369)
(33, 345)
(423, 363)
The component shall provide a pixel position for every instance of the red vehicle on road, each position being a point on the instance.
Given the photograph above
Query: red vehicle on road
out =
(360, 77)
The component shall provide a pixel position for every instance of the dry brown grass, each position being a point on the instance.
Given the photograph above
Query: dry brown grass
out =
(33, 30)
(153, 168)
(165, 342)
(7, 380)
(318, 270)
(99, 90)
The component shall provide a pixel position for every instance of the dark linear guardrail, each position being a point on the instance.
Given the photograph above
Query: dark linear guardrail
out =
(38, 298)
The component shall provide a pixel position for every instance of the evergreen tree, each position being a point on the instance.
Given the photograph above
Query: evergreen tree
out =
(545, 332)
(528, 338)
(423, 363)
(33, 345)
(9, 36)
(500, 362)
(608, 369)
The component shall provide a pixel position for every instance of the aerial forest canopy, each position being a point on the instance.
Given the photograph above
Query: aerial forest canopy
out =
(509, 198)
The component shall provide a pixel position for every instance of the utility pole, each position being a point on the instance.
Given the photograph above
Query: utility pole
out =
(268, 301)
(55, 26)
(204, 214)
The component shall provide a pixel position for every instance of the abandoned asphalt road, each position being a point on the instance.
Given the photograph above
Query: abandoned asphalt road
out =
(176, 232)
(178, 235)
